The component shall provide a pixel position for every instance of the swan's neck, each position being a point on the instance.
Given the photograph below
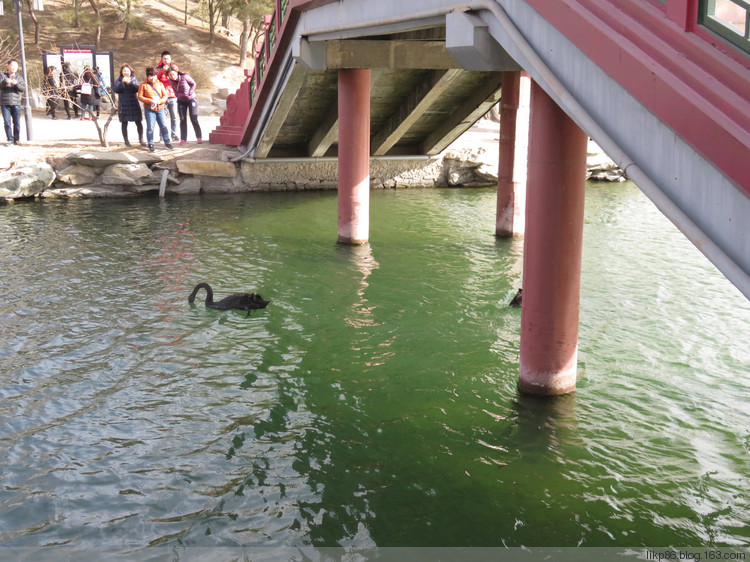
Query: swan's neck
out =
(209, 292)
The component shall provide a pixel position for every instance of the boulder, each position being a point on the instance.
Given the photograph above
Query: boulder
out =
(77, 174)
(27, 181)
(125, 174)
(155, 177)
(470, 167)
(207, 168)
(104, 159)
(600, 167)
(188, 185)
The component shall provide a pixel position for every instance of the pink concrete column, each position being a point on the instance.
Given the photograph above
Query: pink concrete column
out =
(552, 249)
(514, 133)
(354, 156)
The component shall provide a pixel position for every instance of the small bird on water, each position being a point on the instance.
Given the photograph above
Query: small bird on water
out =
(516, 302)
(237, 301)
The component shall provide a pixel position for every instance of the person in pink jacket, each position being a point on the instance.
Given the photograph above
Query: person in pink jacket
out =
(184, 87)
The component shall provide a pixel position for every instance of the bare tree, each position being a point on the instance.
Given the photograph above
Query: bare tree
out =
(244, 40)
(35, 20)
(98, 39)
(60, 95)
(126, 35)
(252, 16)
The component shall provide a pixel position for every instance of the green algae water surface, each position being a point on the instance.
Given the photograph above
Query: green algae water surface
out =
(374, 402)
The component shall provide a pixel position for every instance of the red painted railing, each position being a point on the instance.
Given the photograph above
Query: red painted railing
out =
(231, 128)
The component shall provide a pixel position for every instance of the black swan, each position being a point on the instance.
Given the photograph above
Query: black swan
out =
(237, 301)
(516, 302)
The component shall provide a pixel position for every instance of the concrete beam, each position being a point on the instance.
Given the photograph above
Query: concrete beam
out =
(468, 39)
(417, 104)
(398, 54)
(464, 116)
(281, 110)
(310, 53)
(325, 135)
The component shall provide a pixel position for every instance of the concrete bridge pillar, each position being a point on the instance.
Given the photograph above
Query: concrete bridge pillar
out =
(552, 249)
(514, 143)
(354, 156)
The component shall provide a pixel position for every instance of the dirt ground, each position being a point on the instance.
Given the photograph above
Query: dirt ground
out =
(213, 65)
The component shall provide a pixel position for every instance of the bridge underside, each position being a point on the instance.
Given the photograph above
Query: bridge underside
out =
(421, 99)
(677, 124)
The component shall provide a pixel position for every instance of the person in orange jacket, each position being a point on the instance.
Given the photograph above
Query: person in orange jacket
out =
(153, 96)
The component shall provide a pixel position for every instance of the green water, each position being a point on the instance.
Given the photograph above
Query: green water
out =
(373, 403)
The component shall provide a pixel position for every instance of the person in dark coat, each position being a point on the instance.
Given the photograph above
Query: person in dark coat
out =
(128, 108)
(68, 80)
(12, 86)
(51, 90)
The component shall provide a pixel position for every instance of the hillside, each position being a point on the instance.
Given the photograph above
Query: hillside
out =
(212, 65)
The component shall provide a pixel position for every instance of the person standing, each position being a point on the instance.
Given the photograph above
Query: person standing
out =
(101, 90)
(69, 80)
(184, 88)
(88, 92)
(51, 91)
(153, 96)
(128, 109)
(162, 73)
(12, 87)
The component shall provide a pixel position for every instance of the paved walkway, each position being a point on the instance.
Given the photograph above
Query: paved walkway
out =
(45, 129)
(56, 138)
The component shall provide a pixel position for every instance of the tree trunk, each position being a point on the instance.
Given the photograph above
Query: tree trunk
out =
(244, 40)
(76, 13)
(211, 21)
(35, 20)
(98, 40)
(186, 11)
(126, 35)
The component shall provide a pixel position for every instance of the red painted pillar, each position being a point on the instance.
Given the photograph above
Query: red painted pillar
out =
(514, 133)
(552, 249)
(354, 156)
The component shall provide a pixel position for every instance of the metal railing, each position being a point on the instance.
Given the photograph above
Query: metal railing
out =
(728, 18)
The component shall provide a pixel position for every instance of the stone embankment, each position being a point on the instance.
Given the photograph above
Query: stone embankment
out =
(470, 162)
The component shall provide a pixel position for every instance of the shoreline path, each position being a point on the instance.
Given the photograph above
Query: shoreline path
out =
(54, 139)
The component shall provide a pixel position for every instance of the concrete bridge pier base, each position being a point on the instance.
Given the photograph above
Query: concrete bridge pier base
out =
(552, 249)
(514, 142)
(354, 156)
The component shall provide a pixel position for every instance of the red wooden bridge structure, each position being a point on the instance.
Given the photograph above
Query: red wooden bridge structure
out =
(663, 86)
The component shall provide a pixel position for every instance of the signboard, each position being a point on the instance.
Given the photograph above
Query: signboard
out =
(79, 57)
(104, 62)
(52, 59)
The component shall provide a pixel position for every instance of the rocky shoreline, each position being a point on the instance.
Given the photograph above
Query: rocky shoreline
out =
(470, 162)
